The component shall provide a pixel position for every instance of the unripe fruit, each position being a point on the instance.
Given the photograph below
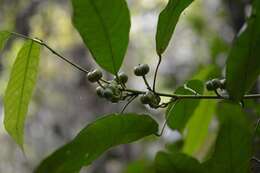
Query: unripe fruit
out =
(216, 83)
(209, 86)
(155, 101)
(100, 91)
(144, 99)
(223, 83)
(141, 70)
(108, 93)
(94, 76)
(122, 77)
(145, 68)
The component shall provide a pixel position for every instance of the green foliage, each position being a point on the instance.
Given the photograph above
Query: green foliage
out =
(233, 146)
(167, 22)
(104, 27)
(96, 138)
(197, 127)
(4, 35)
(19, 90)
(176, 163)
(243, 64)
(178, 114)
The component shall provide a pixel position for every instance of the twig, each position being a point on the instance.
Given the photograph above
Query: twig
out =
(146, 83)
(156, 72)
(127, 104)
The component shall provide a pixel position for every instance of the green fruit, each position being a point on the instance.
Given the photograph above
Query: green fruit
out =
(114, 99)
(108, 93)
(144, 99)
(216, 83)
(223, 83)
(145, 68)
(94, 76)
(155, 101)
(209, 86)
(122, 77)
(141, 70)
(100, 91)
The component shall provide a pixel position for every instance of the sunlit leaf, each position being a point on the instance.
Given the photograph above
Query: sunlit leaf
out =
(104, 26)
(243, 63)
(197, 127)
(178, 114)
(19, 90)
(233, 146)
(95, 139)
(167, 22)
(176, 163)
(4, 35)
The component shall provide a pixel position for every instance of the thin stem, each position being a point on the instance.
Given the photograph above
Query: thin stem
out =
(156, 72)
(127, 104)
(167, 118)
(146, 83)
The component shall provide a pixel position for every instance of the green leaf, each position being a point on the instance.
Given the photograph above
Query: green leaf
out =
(178, 114)
(95, 139)
(243, 63)
(233, 146)
(4, 35)
(167, 22)
(19, 90)
(139, 166)
(176, 163)
(104, 27)
(197, 127)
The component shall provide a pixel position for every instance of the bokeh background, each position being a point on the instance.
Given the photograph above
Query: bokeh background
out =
(64, 102)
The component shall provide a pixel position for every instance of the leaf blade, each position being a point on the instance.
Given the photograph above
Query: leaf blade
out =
(105, 33)
(4, 35)
(233, 146)
(243, 63)
(19, 90)
(95, 139)
(167, 21)
(179, 114)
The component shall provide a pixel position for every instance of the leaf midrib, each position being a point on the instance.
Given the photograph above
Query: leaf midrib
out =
(104, 28)
(23, 88)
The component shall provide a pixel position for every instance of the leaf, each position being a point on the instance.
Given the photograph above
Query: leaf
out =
(233, 146)
(95, 139)
(104, 27)
(179, 114)
(4, 35)
(139, 166)
(167, 22)
(197, 127)
(176, 163)
(243, 63)
(19, 90)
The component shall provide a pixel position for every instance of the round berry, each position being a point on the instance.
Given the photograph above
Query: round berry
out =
(108, 93)
(155, 101)
(100, 91)
(94, 76)
(122, 77)
(216, 83)
(145, 68)
(145, 99)
(209, 86)
(138, 71)
(223, 84)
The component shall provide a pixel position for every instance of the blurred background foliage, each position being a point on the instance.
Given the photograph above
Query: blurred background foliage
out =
(64, 102)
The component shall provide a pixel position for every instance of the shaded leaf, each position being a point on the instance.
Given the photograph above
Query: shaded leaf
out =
(4, 35)
(167, 22)
(95, 139)
(139, 166)
(197, 127)
(176, 163)
(104, 27)
(179, 114)
(19, 90)
(243, 63)
(233, 146)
